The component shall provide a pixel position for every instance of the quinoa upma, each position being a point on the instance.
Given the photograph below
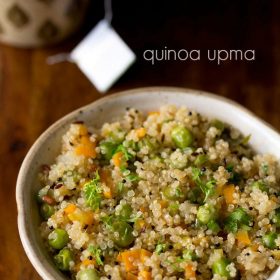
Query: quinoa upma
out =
(168, 195)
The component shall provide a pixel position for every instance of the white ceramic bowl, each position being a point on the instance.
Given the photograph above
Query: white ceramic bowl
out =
(264, 139)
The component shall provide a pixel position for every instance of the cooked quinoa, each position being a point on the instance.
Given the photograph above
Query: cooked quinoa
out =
(167, 195)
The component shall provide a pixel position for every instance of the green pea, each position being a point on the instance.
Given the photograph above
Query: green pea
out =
(126, 211)
(63, 259)
(276, 218)
(174, 193)
(213, 226)
(260, 185)
(189, 255)
(124, 233)
(107, 149)
(220, 267)
(182, 137)
(46, 211)
(200, 160)
(87, 274)
(58, 238)
(268, 240)
(206, 213)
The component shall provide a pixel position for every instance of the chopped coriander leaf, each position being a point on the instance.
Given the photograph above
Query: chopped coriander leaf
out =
(229, 168)
(231, 225)
(132, 177)
(117, 136)
(235, 177)
(195, 195)
(219, 267)
(268, 240)
(175, 264)
(218, 124)
(129, 175)
(131, 144)
(245, 227)
(178, 192)
(126, 214)
(206, 213)
(189, 255)
(207, 188)
(108, 221)
(134, 218)
(197, 173)
(237, 219)
(111, 219)
(146, 142)
(126, 154)
(173, 208)
(120, 188)
(200, 160)
(174, 194)
(246, 140)
(107, 149)
(239, 214)
(124, 170)
(260, 185)
(214, 226)
(276, 218)
(160, 248)
(92, 192)
(96, 253)
(265, 168)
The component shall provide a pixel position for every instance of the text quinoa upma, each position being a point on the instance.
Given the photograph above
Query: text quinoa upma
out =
(170, 195)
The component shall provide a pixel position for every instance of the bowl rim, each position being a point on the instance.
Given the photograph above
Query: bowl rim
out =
(21, 217)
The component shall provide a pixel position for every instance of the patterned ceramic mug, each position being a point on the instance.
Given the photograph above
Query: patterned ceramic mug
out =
(30, 23)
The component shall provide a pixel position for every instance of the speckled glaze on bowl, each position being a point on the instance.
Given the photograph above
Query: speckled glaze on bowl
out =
(264, 139)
